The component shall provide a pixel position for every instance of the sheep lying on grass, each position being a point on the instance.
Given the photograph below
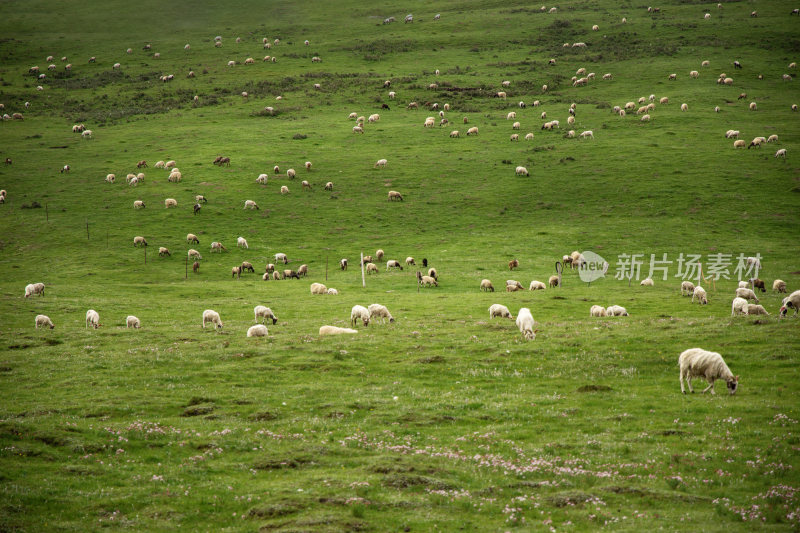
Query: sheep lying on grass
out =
(259, 330)
(696, 362)
(334, 330)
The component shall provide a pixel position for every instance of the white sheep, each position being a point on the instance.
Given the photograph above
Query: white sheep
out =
(684, 107)
(93, 318)
(371, 268)
(284, 189)
(266, 313)
(212, 316)
(781, 153)
(43, 321)
(428, 281)
(588, 134)
(281, 258)
(645, 118)
(333, 292)
(241, 242)
(737, 307)
(694, 74)
(393, 263)
(498, 310)
(779, 285)
(334, 330)
(380, 311)
(754, 309)
(110, 178)
(616, 310)
(739, 144)
(597, 310)
(525, 323)
(743, 285)
(250, 204)
(696, 362)
(486, 285)
(163, 251)
(790, 302)
(529, 137)
(359, 312)
(472, 131)
(139, 241)
(194, 254)
(170, 202)
(521, 171)
(700, 293)
(318, 288)
(753, 262)
(747, 294)
(647, 282)
(132, 322)
(259, 330)
(218, 246)
(537, 286)
(34, 288)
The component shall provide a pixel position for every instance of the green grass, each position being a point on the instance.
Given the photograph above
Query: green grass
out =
(443, 419)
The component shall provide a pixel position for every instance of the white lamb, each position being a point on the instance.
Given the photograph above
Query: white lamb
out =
(259, 330)
(700, 293)
(525, 323)
(261, 311)
(132, 322)
(318, 288)
(334, 330)
(43, 321)
(737, 307)
(381, 163)
(92, 318)
(696, 362)
(380, 311)
(597, 310)
(498, 310)
(616, 310)
(537, 286)
(359, 312)
(521, 171)
(213, 317)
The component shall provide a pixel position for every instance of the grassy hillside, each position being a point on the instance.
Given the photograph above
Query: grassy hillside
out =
(443, 419)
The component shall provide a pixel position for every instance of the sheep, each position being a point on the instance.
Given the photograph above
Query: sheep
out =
(427, 281)
(513, 288)
(781, 153)
(359, 312)
(34, 288)
(511, 115)
(358, 129)
(380, 311)
(743, 285)
(716, 109)
(392, 263)
(162, 251)
(747, 294)
(588, 134)
(732, 134)
(43, 321)
(595, 27)
(329, 186)
(429, 122)
(394, 195)
(694, 74)
(696, 362)
(170, 202)
(343, 264)
(486, 286)
(537, 286)
(132, 322)
(616, 310)
(672, 76)
(645, 118)
(174, 177)
(521, 171)
(754, 309)
(366, 259)
(753, 262)
(700, 293)
(284, 189)
(116, 66)
(371, 268)
(684, 107)
(498, 310)
(779, 285)
(570, 120)
(739, 144)
(454, 134)
(758, 284)
(266, 313)
(515, 126)
(250, 204)
(553, 281)
(218, 247)
(138, 204)
(333, 292)
(472, 131)
(192, 238)
(236, 272)
(259, 330)
(392, 94)
(276, 275)
(647, 282)
(790, 302)
(93, 318)
(334, 330)
(209, 315)
(193, 254)
(433, 274)
(753, 106)
(525, 323)
(737, 306)
(513, 264)
(597, 310)
(772, 138)
(86, 134)
(318, 288)
(139, 241)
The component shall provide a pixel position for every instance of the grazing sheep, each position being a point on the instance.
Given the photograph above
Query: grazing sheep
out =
(247, 266)
(281, 258)
(276, 275)
(647, 282)
(790, 302)
(318, 288)
(43, 321)
(333, 292)
(192, 238)
(772, 138)
(34, 288)
(743, 285)
(521, 171)
(259, 330)
(218, 246)
(700, 293)
(358, 129)
(754, 309)
(212, 316)
(472, 131)
(684, 107)
(266, 313)
(537, 286)
(525, 323)
(427, 281)
(513, 288)
(132, 322)
(645, 118)
(515, 126)
(433, 274)
(737, 307)
(139, 241)
(359, 312)
(334, 330)
(758, 284)
(343, 264)
(371, 268)
(284, 189)
(380, 311)
(513, 264)
(487, 286)
(753, 106)
(236, 272)
(138, 204)
(170, 202)
(498, 310)
(529, 137)
(739, 144)
(392, 263)
(93, 318)
(781, 153)
(779, 285)
(162, 251)
(553, 281)
(694, 74)
(616, 310)
(394, 195)
(193, 254)
(329, 186)
(588, 134)
(696, 362)
(747, 294)
(597, 310)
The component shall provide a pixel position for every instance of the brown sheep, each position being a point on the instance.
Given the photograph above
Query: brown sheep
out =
(196, 267)
(236, 272)
(513, 264)
(553, 281)
(759, 284)
(247, 266)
